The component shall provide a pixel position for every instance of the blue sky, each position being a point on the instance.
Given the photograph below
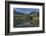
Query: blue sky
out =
(26, 9)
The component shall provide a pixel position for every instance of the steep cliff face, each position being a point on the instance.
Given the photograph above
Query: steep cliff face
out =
(35, 17)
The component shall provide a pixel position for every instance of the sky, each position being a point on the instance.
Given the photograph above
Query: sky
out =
(26, 9)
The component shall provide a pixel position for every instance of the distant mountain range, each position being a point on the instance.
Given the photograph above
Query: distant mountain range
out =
(26, 13)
